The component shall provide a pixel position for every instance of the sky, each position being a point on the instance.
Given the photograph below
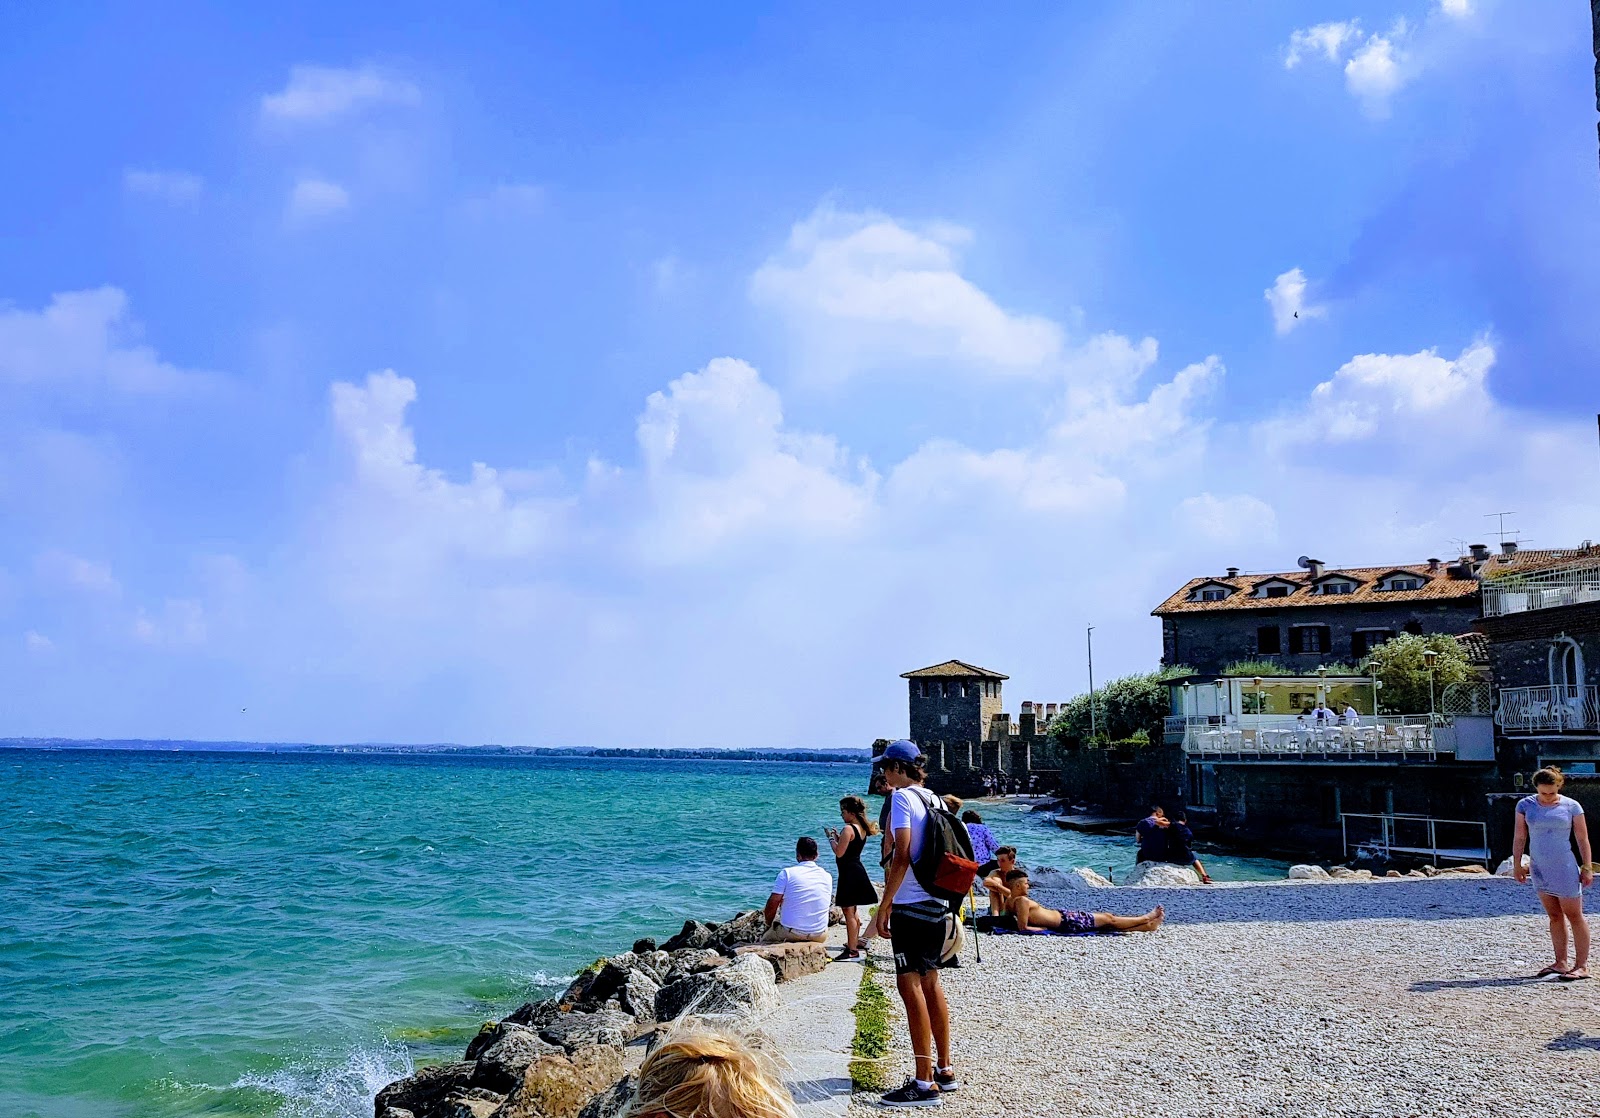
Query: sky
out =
(602, 375)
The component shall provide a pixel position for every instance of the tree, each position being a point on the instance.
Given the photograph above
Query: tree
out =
(1400, 666)
(1123, 708)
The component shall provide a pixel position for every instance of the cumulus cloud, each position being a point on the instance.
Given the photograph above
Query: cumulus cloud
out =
(721, 465)
(319, 93)
(1328, 40)
(176, 187)
(84, 339)
(37, 643)
(1287, 298)
(1240, 518)
(179, 623)
(1376, 71)
(1458, 8)
(862, 290)
(312, 198)
(63, 570)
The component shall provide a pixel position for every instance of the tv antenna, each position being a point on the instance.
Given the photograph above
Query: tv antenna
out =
(1502, 516)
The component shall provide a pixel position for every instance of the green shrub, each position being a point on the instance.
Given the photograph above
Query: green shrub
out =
(1128, 710)
(1399, 664)
(869, 1048)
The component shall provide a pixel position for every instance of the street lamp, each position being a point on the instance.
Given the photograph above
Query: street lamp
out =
(1428, 657)
(1259, 703)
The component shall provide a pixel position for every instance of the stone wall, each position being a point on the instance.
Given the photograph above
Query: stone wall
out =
(946, 714)
(1208, 641)
(1124, 781)
(1519, 643)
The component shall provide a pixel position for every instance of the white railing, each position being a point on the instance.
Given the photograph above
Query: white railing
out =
(1415, 834)
(1528, 710)
(1408, 735)
(1541, 591)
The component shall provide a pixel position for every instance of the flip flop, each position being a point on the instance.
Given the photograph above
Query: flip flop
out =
(1575, 975)
(1548, 971)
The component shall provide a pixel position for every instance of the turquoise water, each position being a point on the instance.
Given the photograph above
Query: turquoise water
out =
(259, 934)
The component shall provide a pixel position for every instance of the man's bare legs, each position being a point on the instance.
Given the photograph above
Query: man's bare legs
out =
(917, 1022)
(938, 1015)
(1149, 922)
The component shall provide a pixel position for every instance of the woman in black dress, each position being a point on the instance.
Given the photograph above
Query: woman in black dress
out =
(855, 887)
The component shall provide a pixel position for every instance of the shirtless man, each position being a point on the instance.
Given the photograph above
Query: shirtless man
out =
(999, 894)
(1033, 916)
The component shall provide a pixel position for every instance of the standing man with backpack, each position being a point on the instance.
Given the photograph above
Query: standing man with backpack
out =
(931, 854)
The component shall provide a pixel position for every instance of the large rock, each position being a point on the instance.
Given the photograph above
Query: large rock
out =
(1048, 877)
(644, 946)
(657, 964)
(1472, 869)
(789, 960)
(575, 1030)
(746, 927)
(395, 1112)
(1504, 869)
(611, 1104)
(535, 1014)
(1161, 875)
(694, 934)
(474, 1102)
(561, 1086)
(1309, 873)
(693, 960)
(746, 983)
(422, 1091)
(1345, 873)
(501, 1064)
(637, 997)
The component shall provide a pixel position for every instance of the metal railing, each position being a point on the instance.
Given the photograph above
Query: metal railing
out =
(1528, 710)
(1541, 591)
(1408, 735)
(1416, 834)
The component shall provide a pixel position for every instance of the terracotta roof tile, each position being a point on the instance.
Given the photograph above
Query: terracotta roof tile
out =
(954, 668)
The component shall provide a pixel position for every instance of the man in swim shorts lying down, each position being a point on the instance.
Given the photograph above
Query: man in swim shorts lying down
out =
(1034, 917)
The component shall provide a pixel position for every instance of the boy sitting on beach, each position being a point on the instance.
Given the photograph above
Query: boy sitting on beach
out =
(1033, 916)
(999, 895)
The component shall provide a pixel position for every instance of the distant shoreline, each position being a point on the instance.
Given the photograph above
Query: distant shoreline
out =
(142, 745)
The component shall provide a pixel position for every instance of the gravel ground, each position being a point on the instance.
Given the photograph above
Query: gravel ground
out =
(1382, 999)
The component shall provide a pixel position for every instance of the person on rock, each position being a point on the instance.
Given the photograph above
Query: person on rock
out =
(1548, 826)
(1149, 833)
(1035, 917)
(855, 887)
(801, 895)
(1178, 847)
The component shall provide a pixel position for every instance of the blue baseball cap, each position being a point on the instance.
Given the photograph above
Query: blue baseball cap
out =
(901, 750)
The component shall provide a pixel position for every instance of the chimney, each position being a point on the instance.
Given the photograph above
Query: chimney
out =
(1461, 570)
(1314, 568)
(1508, 548)
(1233, 572)
(1433, 566)
(1480, 552)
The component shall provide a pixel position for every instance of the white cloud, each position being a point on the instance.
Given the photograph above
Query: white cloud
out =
(1326, 39)
(1287, 298)
(1457, 8)
(177, 187)
(1226, 520)
(86, 339)
(721, 464)
(37, 643)
(1377, 71)
(180, 623)
(317, 93)
(862, 290)
(314, 198)
(64, 570)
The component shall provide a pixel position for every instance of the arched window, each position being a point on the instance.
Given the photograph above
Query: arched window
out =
(1566, 663)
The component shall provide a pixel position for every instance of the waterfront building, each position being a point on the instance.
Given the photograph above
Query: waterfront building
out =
(957, 717)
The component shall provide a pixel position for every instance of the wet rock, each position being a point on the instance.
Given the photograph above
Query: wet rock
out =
(746, 983)
(644, 946)
(1308, 873)
(789, 960)
(536, 1014)
(575, 1030)
(611, 1103)
(501, 1064)
(421, 1092)
(693, 934)
(561, 1086)
(395, 1112)
(488, 1033)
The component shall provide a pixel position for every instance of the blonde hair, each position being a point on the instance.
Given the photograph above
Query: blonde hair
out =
(707, 1075)
(953, 803)
(1550, 775)
(856, 808)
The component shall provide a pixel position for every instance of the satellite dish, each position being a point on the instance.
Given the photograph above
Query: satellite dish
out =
(1304, 562)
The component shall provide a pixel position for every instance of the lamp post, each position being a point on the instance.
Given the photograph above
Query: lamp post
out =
(1094, 725)
(1428, 657)
(1259, 702)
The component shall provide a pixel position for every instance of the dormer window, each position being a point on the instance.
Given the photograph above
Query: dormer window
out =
(1403, 583)
(1337, 586)
(1210, 592)
(1274, 588)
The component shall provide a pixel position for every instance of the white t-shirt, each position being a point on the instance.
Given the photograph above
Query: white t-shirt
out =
(807, 892)
(1350, 717)
(908, 809)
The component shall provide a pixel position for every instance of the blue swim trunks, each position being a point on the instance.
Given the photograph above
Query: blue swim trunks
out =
(1076, 924)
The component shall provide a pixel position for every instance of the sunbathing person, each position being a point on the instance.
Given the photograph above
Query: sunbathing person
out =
(1035, 917)
(999, 896)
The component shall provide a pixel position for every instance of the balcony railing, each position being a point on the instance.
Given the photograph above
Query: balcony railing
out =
(1545, 591)
(1405, 736)
(1531, 710)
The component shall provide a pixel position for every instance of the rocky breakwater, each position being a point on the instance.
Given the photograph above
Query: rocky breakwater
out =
(573, 1055)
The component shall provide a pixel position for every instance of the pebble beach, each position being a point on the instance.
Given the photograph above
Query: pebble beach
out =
(1383, 998)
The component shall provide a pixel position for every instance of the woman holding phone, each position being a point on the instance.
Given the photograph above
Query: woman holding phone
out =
(855, 887)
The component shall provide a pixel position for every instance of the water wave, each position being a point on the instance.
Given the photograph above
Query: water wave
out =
(342, 1090)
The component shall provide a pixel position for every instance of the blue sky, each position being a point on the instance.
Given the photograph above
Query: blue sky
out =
(627, 377)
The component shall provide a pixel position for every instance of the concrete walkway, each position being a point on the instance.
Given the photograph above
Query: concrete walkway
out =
(813, 1030)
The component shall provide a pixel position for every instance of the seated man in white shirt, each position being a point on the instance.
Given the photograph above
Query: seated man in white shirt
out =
(802, 896)
(1350, 717)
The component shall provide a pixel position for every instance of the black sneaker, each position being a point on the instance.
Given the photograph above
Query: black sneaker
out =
(946, 1080)
(912, 1095)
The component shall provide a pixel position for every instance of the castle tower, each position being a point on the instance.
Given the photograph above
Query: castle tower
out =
(953, 702)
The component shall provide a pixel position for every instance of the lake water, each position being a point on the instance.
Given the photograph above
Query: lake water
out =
(282, 934)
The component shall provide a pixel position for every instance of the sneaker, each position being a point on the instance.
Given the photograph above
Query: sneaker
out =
(946, 1080)
(912, 1095)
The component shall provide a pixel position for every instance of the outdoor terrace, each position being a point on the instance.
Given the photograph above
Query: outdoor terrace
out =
(1563, 586)
(1275, 738)
(1534, 710)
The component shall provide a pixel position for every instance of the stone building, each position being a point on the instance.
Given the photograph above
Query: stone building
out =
(958, 719)
(1315, 615)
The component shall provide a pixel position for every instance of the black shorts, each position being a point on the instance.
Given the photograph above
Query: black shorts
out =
(918, 943)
